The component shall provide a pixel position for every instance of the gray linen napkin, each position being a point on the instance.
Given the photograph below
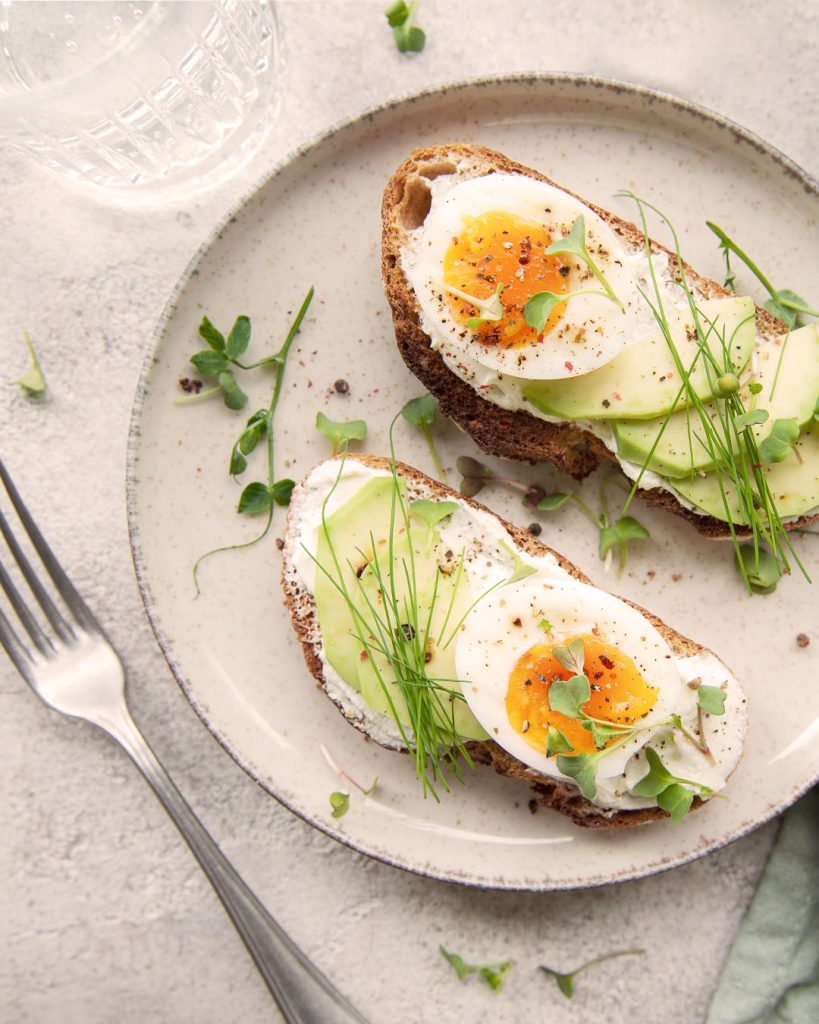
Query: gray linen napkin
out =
(771, 975)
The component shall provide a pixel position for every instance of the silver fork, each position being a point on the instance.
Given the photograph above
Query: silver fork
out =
(72, 667)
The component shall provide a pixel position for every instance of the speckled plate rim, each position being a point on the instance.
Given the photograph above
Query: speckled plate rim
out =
(444, 91)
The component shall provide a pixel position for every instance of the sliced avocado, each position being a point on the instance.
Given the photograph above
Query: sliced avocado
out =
(787, 368)
(349, 528)
(643, 381)
(359, 535)
(794, 484)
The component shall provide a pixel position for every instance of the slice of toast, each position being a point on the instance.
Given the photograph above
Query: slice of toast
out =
(560, 796)
(511, 434)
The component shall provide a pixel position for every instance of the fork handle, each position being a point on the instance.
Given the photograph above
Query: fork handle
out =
(303, 994)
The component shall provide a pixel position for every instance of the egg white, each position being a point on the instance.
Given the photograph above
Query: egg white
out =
(592, 329)
(490, 644)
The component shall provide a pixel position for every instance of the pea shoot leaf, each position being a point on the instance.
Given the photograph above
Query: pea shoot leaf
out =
(573, 244)
(238, 463)
(255, 499)
(761, 569)
(340, 434)
(282, 490)
(215, 339)
(780, 306)
(209, 363)
(711, 699)
(340, 802)
(778, 445)
(567, 696)
(556, 742)
(32, 379)
(583, 769)
(238, 339)
(675, 800)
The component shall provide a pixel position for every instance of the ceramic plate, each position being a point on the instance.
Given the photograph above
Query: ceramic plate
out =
(316, 221)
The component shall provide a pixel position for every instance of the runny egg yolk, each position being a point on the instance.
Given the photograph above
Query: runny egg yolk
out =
(619, 693)
(499, 248)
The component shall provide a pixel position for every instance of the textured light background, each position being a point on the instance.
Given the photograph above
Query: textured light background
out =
(103, 914)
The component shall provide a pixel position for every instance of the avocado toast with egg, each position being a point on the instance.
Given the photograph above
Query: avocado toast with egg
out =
(439, 629)
(527, 312)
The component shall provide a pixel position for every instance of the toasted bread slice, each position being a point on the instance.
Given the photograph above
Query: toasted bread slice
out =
(511, 434)
(552, 793)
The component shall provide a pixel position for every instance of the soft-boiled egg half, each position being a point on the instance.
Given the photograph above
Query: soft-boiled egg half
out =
(507, 653)
(481, 255)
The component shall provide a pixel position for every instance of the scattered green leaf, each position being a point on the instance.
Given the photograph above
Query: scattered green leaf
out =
(784, 304)
(474, 475)
(432, 512)
(759, 567)
(422, 412)
(32, 379)
(340, 802)
(340, 434)
(583, 769)
(574, 244)
(567, 696)
(755, 387)
(409, 38)
(658, 779)
(545, 625)
(556, 742)
(675, 800)
(781, 441)
(256, 498)
(565, 981)
(572, 657)
(750, 419)
(711, 699)
(554, 501)
(493, 974)
(492, 311)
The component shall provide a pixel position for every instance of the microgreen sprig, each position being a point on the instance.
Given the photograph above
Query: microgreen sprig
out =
(490, 310)
(32, 379)
(565, 981)
(574, 244)
(738, 464)
(539, 307)
(259, 497)
(340, 434)
(493, 974)
(422, 412)
(784, 304)
(409, 38)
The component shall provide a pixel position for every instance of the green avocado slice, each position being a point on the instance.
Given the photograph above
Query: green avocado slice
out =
(642, 382)
(794, 484)
(358, 534)
(787, 368)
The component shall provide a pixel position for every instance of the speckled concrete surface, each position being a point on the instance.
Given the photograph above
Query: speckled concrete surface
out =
(103, 914)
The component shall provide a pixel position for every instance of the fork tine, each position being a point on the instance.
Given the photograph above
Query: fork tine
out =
(31, 625)
(9, 641)
(79, 609)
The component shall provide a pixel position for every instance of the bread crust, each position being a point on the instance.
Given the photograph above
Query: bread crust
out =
(551, 793)
(513, 434)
